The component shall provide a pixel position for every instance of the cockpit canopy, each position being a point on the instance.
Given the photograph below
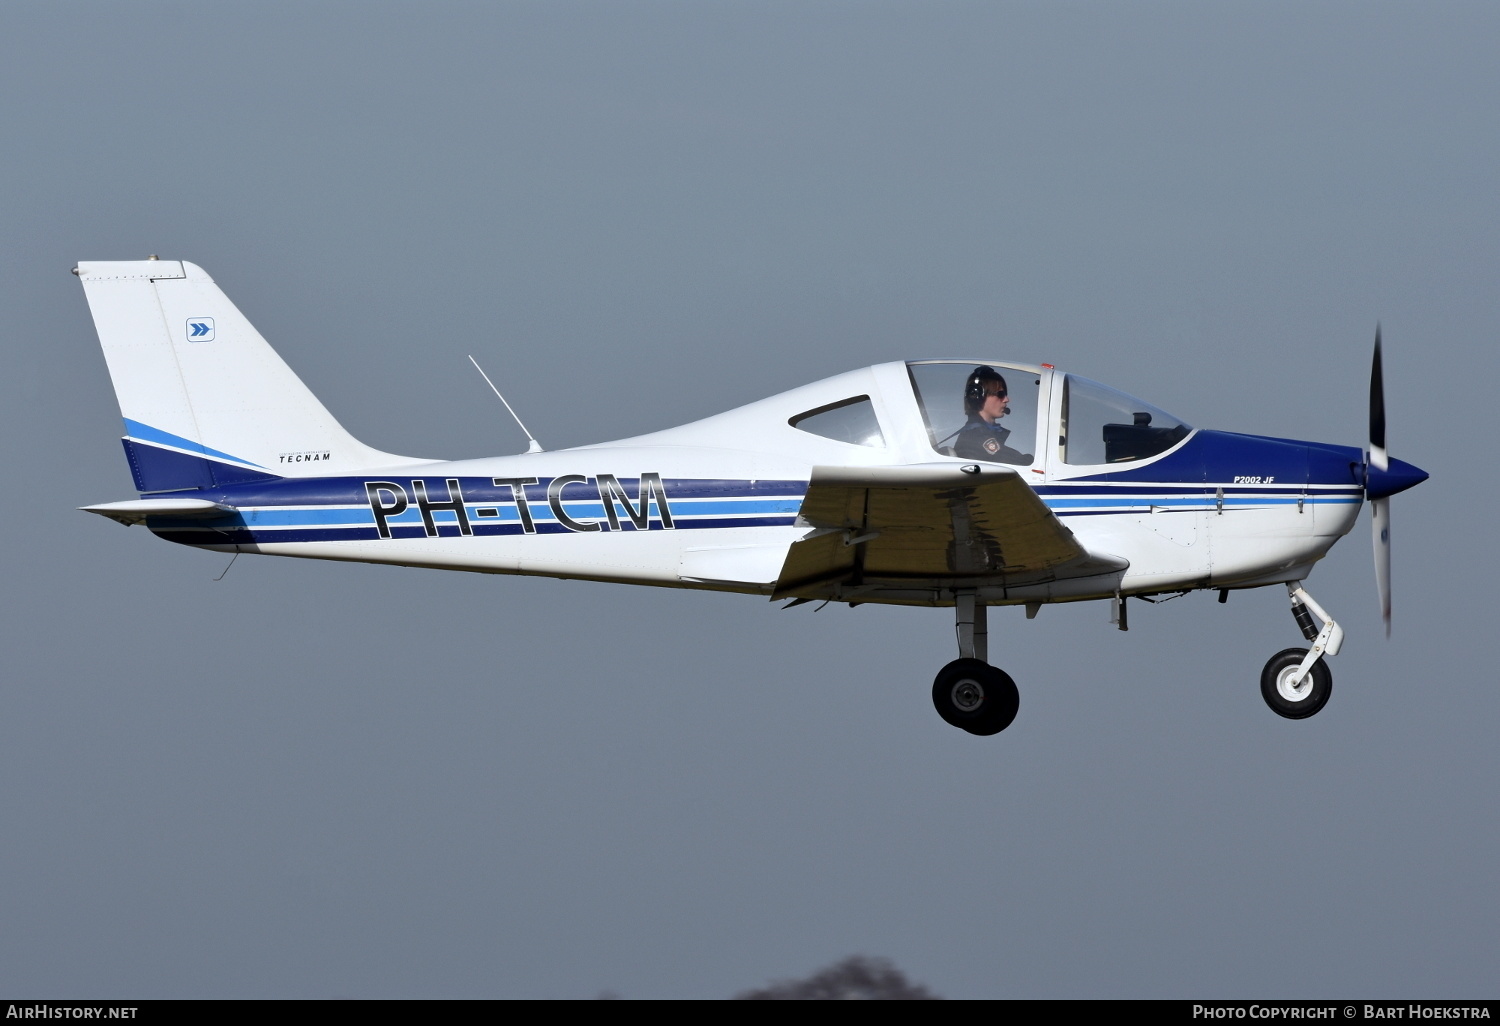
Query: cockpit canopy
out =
(1096, 424)
(918, 411)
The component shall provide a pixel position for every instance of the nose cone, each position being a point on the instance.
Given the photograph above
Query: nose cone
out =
(1398, 477)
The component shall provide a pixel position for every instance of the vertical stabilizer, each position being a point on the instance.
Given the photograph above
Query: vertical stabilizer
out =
(206, 400)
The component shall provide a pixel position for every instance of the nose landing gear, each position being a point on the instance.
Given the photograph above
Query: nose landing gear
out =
(1295, 700)
(1296, 682)
(968, 692)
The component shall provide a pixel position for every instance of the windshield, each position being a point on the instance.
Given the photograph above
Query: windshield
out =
(1103, 425)
(978, 411)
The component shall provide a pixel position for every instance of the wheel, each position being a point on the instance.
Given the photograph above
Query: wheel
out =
(976, 696)
(1302, 701)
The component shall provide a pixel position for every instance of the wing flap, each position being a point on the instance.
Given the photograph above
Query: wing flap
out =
(936, 523)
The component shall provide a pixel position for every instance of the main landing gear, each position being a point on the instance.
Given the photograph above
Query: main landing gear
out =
(969, 692)
(1296, 682)
(982, 699)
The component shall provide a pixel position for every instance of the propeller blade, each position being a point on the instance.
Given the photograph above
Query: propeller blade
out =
(1378, 458)
(1380, 526)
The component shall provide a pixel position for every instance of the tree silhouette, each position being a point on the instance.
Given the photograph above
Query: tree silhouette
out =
(854, 979)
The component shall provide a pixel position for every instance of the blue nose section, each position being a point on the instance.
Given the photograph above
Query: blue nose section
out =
(1398, 477)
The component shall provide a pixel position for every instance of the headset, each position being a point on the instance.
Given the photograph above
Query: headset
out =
(975, 390)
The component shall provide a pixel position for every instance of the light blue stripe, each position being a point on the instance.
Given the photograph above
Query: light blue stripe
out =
(679, 507)
(692, 508)
(1198, 501)
(1126, 503)
(313, 516)
(703, 507)
(147, 433)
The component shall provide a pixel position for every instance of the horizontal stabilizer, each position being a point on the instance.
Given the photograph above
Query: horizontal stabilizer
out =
(135, 511)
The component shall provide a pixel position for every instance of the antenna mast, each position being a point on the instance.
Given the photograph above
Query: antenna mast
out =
(534, 446)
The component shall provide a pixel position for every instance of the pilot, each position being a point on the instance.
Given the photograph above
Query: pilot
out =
(986, 400)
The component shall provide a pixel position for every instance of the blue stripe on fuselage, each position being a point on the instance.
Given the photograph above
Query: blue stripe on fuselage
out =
(307, 516)
(339, 509)
(1218, 457)
(198, 533)
(1192, 476)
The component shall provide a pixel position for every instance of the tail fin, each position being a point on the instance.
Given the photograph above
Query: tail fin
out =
(206, 400)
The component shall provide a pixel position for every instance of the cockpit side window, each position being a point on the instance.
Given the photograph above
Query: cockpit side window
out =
(850, 420)
(1102, 425)
(952, 395)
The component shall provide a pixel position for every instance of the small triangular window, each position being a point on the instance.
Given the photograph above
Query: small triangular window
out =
(852, 421)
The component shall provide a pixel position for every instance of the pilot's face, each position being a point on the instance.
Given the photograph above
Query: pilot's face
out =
(996, 404)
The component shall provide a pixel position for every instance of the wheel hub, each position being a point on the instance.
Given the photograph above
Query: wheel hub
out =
(1285, 688)
(968, 695)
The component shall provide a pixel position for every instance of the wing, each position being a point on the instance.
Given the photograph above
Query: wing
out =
(904, 527)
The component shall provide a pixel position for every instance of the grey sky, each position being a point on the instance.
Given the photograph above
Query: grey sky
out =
(316, 779)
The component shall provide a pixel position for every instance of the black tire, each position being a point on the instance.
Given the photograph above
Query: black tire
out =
(975, 696)
(1307, 699)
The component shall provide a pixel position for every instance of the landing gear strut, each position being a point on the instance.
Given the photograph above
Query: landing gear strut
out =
(1296, 682)
(968, 692)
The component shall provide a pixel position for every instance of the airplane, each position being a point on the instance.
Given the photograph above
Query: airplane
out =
(963, 483)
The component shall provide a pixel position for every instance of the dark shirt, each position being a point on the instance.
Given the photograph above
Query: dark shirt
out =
(980, 441)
